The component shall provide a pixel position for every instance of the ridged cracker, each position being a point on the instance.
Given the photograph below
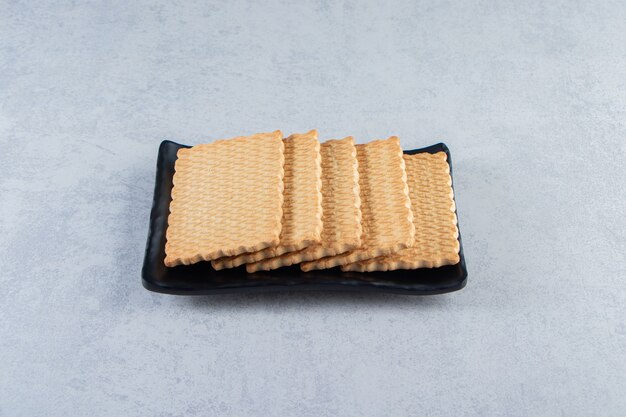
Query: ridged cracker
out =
(436, 233)
(341, 203)
(302, 204)
(224, 201)
(387, 218)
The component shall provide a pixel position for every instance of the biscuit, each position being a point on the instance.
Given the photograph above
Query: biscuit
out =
(224, 201)
(302, 203)
(387, 218)
(341, 213)
(436, 233)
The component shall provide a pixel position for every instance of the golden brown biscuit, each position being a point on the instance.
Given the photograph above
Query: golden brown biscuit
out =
(387, 218)
(436, 232)
(224, 202)
(341, 220)
(302, 204)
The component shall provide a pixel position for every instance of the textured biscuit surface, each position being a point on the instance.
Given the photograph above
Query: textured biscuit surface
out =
(387, 219)
(302, 203)
(341, 214)
(436, 233)
(224, 202)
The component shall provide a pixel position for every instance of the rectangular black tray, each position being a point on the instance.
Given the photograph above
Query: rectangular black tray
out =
(201, 278)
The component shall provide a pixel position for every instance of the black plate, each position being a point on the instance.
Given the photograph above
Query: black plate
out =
(201, 278)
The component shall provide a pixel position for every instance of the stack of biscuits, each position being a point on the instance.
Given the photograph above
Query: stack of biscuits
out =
(268, 202)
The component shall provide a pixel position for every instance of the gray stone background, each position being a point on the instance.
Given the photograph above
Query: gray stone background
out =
(530, 96)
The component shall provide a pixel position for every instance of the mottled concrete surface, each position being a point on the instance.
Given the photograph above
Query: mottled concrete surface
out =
(531, 98)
